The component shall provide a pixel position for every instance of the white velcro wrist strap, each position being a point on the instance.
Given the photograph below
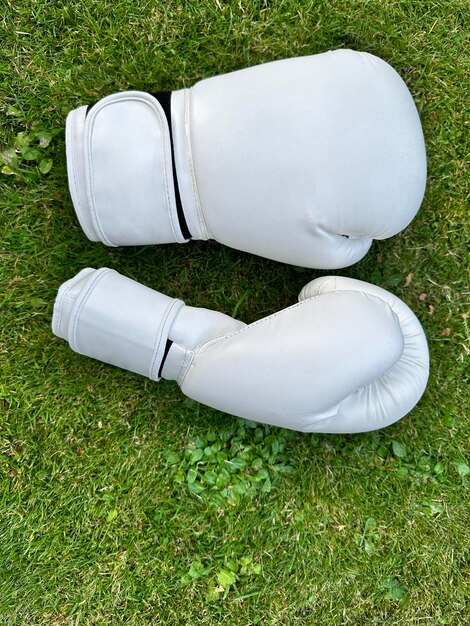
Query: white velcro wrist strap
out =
(120, 171)
(121, 322)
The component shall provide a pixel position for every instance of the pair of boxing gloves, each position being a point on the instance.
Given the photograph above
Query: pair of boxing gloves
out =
(304, 161)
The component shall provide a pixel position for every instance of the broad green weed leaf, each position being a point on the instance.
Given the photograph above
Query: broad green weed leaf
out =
(196, 569)
(398, 449)
(226, 578)
(45, 166)
(463, 469)
(30, 154)
(196, 455)
(439, 468)
(44, 138)
(195, 488)
(191, 475)
(112, 515)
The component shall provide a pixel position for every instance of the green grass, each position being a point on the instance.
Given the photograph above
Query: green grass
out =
(98, 524)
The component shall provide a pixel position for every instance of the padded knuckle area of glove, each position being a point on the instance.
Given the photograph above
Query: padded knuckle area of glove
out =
(352, 155)
(304, 360)
(393, 394)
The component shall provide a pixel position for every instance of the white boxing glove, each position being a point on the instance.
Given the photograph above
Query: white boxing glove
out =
(305, 160)
(349, 357)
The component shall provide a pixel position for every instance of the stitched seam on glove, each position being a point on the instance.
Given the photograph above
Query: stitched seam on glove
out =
(203, 347)
(159, 338)
(81, 303)
(61, 309)
(187, 133)
(76, 181)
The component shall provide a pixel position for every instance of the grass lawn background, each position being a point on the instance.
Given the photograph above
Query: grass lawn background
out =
(122, 502)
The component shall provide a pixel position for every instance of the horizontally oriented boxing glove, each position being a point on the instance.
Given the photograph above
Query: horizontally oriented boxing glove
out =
(305, 160)
(349, 357)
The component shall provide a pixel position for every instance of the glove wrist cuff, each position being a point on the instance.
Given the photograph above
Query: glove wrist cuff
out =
(121, 171)
(116, 320)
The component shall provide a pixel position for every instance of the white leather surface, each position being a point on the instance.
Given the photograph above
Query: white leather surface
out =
(114, 319)
(293, 154)
(120, 172)
(76, 170)
(65, 301)
(282, 160)
(187, 184)
(348, 358)
(404, 382)
(295, 368)
(192, 328)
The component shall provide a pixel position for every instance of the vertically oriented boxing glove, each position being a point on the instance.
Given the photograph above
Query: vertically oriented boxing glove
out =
(305, 160)
(349, 357)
